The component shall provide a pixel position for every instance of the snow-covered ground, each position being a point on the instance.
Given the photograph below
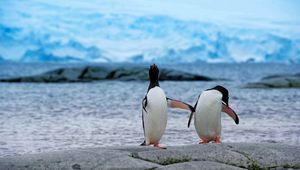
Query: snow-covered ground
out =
(150, 31)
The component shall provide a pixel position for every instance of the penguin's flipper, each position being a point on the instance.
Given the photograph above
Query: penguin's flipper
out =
(143, 122)
(190, 119)
(144, 103)
(179, 104)
(230, 113)
(192, 113)
(196, 102)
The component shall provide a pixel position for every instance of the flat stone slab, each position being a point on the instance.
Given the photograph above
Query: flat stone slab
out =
(208, 156)
(94, 73)
(196, 165)
(210, 152)
(277, 81)
(97, 158)
(269, 155)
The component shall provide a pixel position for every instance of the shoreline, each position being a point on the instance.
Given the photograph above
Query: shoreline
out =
(210, 156)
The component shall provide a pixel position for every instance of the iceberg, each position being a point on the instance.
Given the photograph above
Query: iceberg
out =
(52, 31)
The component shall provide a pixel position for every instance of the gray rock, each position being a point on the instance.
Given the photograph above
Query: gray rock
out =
(294, 81)
(256, 85)
(276, 81)
(269, 155)
(95, 73)
(209, 156)
(209, 152)
(195, 165)
(130, 74)
(60, 75)
(77, 159)
(167, 74)
(135, 149)
(92, 73)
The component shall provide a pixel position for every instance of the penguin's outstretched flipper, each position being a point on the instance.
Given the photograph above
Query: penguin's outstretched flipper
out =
(179, 104)
(230, 112)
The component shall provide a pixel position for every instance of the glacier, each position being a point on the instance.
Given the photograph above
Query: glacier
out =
(63, 31)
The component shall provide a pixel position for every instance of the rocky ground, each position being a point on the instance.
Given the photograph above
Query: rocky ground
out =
(93, 73)
(209, 156)
(277, 81)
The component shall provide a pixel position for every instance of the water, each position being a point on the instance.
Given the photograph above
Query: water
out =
(37, 117)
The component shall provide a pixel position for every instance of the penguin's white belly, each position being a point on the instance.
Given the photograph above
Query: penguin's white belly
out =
(155, 119)
(208, 115)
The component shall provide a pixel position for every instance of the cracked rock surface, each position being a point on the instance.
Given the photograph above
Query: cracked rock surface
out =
(209, 156)
(277, 81)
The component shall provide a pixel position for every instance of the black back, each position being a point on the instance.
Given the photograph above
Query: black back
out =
(153, 76)
(224, 91)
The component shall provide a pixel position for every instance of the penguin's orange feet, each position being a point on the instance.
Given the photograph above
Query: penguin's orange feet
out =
(217, 139)
(158, 146)
(204, 141)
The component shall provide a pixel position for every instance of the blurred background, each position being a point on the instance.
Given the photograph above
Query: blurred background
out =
(237, 43)
(150, 31)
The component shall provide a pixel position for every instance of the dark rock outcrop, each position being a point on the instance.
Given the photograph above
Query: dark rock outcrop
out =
(277, 81)
(93, 73)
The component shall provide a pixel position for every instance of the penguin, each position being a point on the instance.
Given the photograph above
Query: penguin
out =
(208, 110)
(154, 110)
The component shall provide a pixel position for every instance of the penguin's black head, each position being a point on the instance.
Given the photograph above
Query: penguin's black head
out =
(225, 93)
(153, 73)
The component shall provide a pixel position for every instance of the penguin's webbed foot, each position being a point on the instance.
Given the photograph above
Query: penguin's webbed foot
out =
(158, 146)
(217, 140)
(204, 141)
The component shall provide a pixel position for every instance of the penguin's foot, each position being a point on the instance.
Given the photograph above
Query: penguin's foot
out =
(217, 140)
(158, 146)
(204, 141)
